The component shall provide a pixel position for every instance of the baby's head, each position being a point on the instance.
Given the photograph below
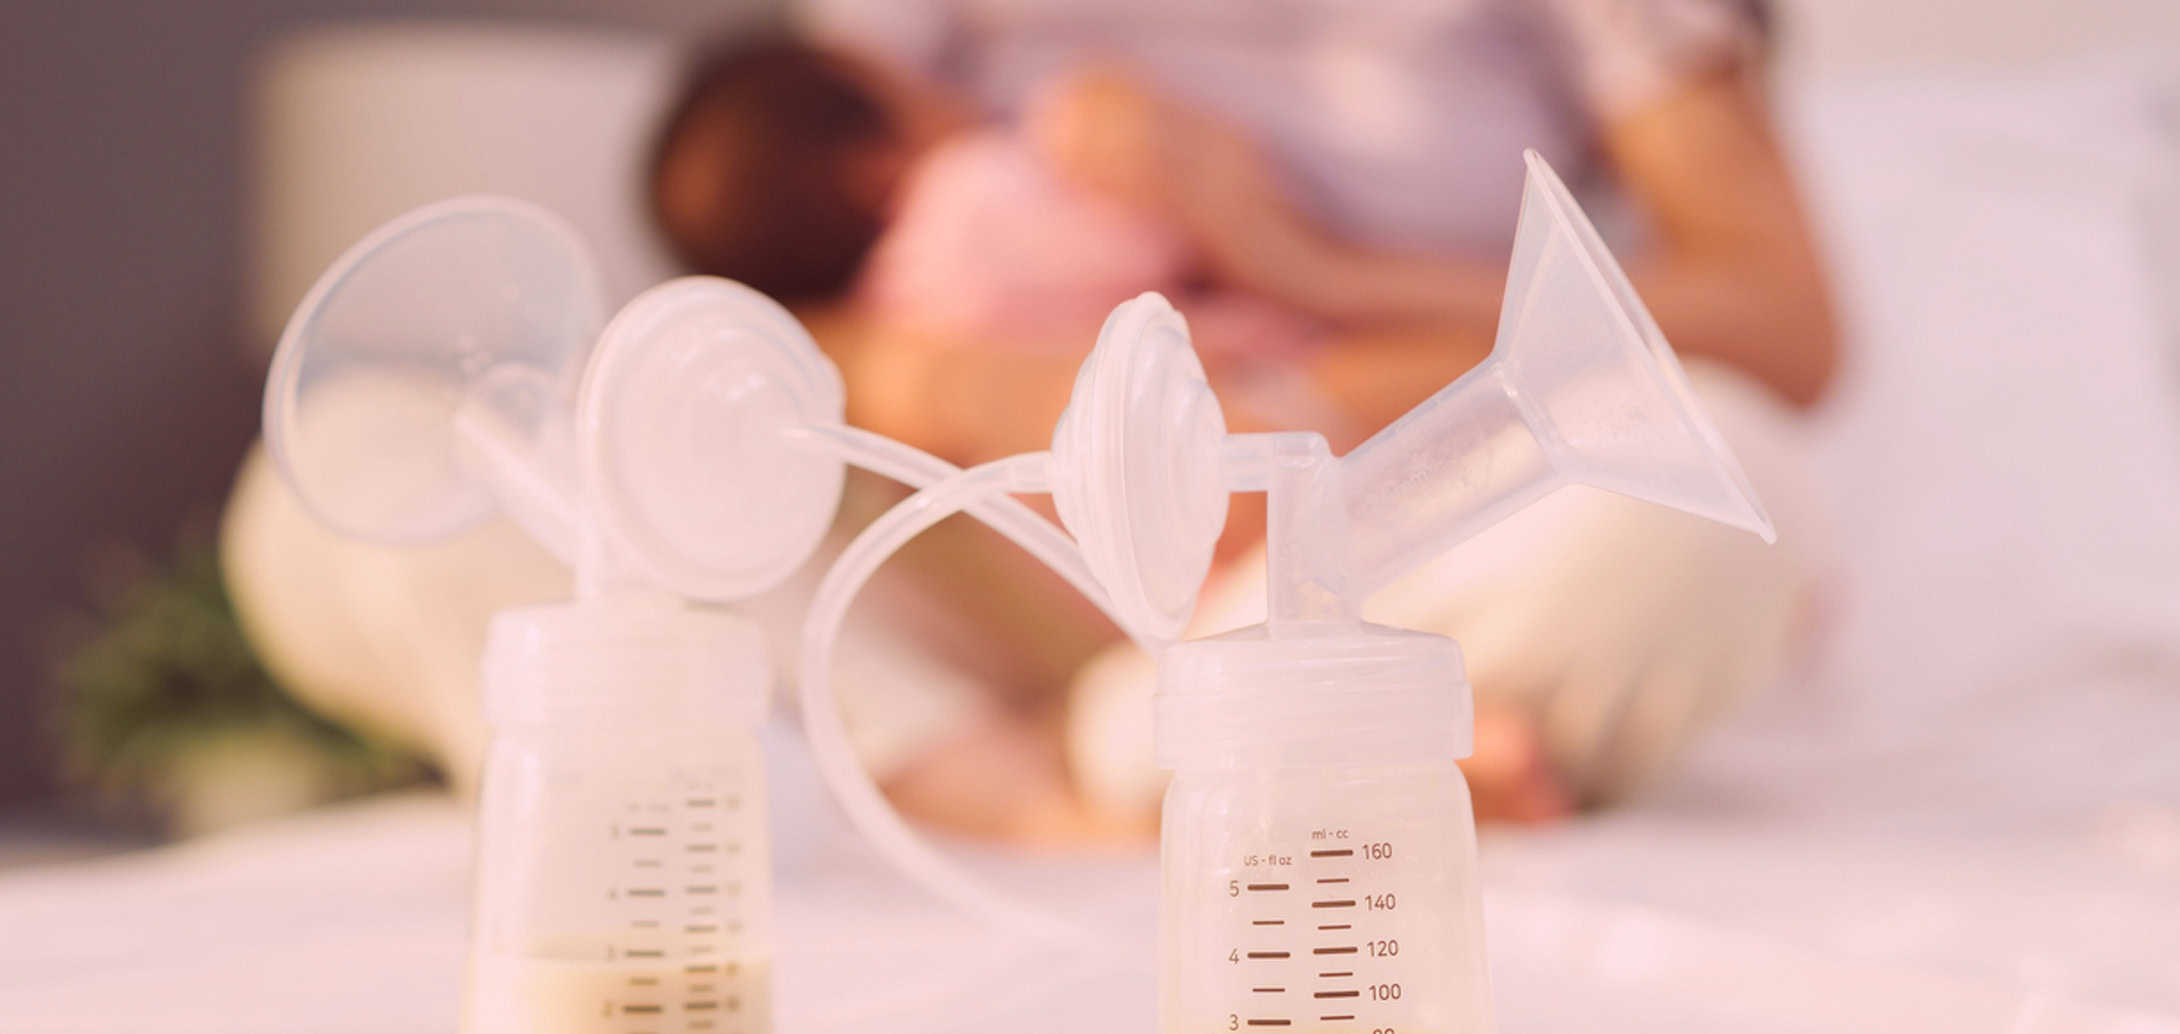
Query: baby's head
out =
(777, 162)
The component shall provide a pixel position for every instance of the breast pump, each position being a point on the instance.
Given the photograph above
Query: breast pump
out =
(1318, 845)
(445, 367)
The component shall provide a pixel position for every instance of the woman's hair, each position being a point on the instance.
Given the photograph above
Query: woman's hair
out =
(1766, 22)
(750, 172)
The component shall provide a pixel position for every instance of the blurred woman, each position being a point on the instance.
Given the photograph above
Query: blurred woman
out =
(1353, 174)
(1350, 176)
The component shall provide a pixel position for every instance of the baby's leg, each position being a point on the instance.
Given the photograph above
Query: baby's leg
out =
(1003, 778)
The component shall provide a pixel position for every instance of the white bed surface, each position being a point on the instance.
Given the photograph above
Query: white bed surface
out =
(352, 921)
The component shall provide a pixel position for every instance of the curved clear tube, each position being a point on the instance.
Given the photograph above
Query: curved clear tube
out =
(858, 793)
(921, 470)
(947, 490)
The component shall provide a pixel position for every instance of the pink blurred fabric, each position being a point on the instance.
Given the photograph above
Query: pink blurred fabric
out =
(988, 242)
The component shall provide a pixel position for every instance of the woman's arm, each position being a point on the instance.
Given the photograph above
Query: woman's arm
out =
(1738, 277)
(965, 400)
(1734, 275)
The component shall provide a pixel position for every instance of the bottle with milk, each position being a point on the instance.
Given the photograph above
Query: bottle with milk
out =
(623, 873)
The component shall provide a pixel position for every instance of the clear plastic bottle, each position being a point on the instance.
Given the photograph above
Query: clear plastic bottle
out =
(623, 878)
(1319, 844)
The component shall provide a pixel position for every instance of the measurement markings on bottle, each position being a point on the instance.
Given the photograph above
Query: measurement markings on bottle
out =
(1345, 889)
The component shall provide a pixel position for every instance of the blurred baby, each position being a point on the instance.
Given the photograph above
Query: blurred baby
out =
(815, 175)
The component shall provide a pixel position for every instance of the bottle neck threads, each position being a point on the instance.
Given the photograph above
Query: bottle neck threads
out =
(624, 662)
(1339, 694)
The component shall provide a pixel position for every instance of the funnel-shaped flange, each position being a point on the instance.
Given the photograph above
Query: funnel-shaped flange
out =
(364, 392)
(1581, 387)
(1585, 355)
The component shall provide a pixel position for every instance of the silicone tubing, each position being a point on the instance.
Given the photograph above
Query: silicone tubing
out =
(921, 470)
(946, 490)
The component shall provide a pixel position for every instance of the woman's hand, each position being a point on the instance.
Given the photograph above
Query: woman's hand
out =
(1110, 133)
(1107, 131)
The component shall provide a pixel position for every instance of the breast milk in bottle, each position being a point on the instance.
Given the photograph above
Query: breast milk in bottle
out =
(623, 873)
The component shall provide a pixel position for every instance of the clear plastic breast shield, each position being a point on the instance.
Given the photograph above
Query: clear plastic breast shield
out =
(457, 362)
(1318, 842)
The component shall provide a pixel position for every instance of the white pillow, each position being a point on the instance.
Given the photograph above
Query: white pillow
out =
(2003, 453)
(2161, 224)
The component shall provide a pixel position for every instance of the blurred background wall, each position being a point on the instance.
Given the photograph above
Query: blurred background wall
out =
(130, 391)
(1844, 37)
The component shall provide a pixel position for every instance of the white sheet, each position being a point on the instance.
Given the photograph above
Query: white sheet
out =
(1967, 818)
(352, 921)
